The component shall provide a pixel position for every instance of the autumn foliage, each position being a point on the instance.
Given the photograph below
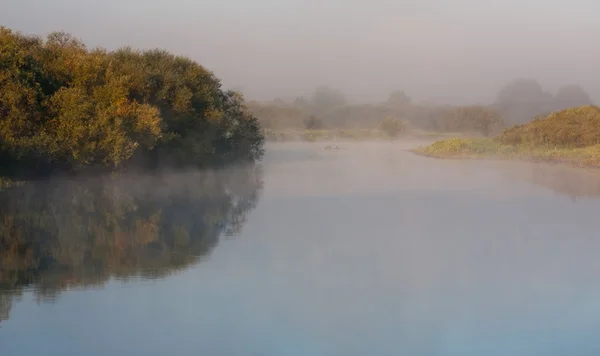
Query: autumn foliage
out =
(574, 127)
(64, 107)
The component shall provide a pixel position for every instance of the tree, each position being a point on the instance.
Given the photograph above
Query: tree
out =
(570, 96)
(313, 123)
(325, 98)
(473, 118)
(300, 103)
(398, 99)
(275, 117)
(393, 126)
(522, 100)
(522, 90)
(64, 107)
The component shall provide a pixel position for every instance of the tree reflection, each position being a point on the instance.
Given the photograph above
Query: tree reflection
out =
(61, 234)
(564, 180)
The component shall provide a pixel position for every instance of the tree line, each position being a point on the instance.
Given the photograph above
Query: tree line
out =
(64, 107)
(519, 101)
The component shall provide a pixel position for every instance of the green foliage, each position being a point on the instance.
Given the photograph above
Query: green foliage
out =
(64, 107)
(575, 127)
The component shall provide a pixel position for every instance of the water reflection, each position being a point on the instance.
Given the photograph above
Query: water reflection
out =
(61, 234)
(563, 180)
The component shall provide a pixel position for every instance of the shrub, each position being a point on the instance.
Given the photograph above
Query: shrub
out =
(393, 126)
(64, 107)
(313, 123)
(574, 127)
(474, 118)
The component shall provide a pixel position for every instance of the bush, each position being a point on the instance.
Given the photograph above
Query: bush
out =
(64, 107)
(393, 126)
(575, 127)
(471, 119)
(277, 116)
(313, 123)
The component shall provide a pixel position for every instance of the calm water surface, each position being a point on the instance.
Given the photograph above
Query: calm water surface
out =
(366, 250)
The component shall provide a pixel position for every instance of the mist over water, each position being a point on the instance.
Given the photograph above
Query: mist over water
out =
(328, 246)
(364, 250)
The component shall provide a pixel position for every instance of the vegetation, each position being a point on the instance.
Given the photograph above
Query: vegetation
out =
(313, 123)
(66, 108)
(519, 102)
(475, 118)
(393, 126)
(575, 127)
(522, 100)
(59, 234)
(570, 135)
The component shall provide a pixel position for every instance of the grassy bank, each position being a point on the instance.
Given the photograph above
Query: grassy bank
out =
(569, 136)
(490, 148)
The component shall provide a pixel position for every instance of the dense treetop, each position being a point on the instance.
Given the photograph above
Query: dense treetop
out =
(65, 107)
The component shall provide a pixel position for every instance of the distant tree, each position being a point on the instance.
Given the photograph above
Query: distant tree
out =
(357, 115)
(279, 102)
(300, 103)
(522, 90)
(522, 100)
(325, 98)
(570, 96)
(473, 118)
(313, 123)
(398, 99)
(277, 117)
(393, 126)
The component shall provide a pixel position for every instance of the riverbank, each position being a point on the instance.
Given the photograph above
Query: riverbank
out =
(570, 136)
(491, 148)
(356, 134)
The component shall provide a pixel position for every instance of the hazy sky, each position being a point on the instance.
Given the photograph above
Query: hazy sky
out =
(449, 50)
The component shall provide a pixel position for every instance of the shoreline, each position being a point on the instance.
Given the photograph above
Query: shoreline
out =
(353, 135)
(487, 149)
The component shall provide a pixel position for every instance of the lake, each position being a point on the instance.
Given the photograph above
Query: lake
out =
(363, 250)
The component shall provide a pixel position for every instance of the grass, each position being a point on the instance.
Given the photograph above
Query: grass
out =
(567, 136)
(492, 148)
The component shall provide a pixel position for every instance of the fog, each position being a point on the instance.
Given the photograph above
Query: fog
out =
(363, 250)
(456, 52)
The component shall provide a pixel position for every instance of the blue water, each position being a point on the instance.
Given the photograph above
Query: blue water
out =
(354, 254)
